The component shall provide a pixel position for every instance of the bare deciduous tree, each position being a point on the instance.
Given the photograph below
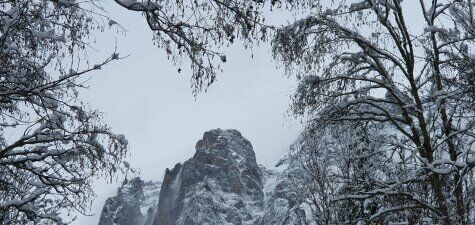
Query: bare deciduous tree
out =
(196, 31)
(408, 67)
(51, 144)
(365, 61)
(369, 63)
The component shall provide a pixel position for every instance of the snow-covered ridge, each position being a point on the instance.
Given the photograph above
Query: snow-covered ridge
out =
(135, 203)
(222, 184)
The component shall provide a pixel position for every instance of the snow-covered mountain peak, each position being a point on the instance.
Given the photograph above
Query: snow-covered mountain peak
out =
(222, 184)
(228, 141)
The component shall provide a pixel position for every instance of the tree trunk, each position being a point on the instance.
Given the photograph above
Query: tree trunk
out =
(440, 198)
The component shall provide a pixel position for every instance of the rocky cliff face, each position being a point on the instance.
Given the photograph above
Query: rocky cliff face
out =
(135, 204)
(221, 184)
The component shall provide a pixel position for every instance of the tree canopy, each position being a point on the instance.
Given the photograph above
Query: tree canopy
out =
(400, 74)
(51, 143)
(404, 66)
(366, 61)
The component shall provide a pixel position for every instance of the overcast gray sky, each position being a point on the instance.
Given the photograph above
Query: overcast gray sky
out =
(145, 98)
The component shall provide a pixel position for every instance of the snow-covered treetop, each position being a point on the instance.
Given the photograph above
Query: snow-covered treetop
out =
(408, 65)
(48, 166)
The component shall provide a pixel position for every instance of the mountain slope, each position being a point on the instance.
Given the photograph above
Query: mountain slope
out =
(135, 204)
(221, 184)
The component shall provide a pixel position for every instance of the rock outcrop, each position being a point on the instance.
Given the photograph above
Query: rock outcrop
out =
(221, 184)
(135, 204)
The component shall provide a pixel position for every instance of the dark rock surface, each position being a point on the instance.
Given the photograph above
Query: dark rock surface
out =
(134, 204)
(221, 184)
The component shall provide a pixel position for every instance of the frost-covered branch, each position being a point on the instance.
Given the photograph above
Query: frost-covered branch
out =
(48, 166)
(195, 31)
